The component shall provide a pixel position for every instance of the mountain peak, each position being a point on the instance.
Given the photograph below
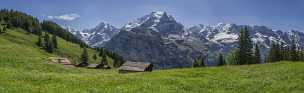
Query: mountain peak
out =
(104, 25)
(150, 20)
(158, 14)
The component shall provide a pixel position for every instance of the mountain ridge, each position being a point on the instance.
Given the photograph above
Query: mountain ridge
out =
(191, 42)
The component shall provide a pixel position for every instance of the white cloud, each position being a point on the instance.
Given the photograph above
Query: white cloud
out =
(66, 17)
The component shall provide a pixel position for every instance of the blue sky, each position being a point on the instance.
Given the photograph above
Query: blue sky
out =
(80, 14)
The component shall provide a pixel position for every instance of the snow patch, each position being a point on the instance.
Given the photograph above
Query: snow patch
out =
(225, 38)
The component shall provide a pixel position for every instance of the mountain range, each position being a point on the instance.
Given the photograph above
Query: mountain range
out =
(158, 38)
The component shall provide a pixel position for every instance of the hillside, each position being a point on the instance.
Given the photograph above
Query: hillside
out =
(19, 46)
(23, 68)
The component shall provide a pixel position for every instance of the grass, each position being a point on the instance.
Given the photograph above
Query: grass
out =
(23, 69)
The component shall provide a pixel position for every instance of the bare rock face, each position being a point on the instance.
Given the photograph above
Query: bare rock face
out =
(146, 45)
(155, 38)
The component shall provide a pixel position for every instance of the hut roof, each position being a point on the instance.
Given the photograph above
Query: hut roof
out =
(64, 61)
(92, 65)
(134, 66)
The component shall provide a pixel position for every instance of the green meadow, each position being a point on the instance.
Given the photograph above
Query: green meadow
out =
(24, 68)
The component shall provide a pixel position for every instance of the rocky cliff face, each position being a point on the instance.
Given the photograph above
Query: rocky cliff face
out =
(157, 39)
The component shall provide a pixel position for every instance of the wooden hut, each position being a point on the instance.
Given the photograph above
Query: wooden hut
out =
(135, 67)
(92, 66)
(98, 66)
(64, 61)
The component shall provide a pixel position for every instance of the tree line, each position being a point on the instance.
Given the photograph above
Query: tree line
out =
(11, 18)
(103, 54)
(55, 29)
(280, 51)
(47, 42)
(246, 53)
(249, 52)
(21, 20)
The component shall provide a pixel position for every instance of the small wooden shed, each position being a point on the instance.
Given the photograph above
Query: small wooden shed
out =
(135, 67)
(64, 61)
(92, 66)
(98, 66)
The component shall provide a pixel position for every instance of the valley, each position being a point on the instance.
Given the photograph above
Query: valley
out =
(151, 46)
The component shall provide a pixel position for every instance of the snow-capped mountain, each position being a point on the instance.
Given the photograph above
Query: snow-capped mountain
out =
(97, 36)
(158, 38)
(157, 21)
(154, 38)
(225, 36)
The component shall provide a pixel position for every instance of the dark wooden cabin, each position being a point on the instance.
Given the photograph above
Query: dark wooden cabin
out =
(135, 67)
(92, 66)
(98, 66)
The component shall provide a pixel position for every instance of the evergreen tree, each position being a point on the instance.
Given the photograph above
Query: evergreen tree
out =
(54, 40)
(282, 52)
(265, 59)
(302, 54)
(3, 26)
(50, 47)
(245, 47)
(293, 51)
(40, 41)
(286, 53)
(202, 62)
(85, 56)
(104, 60)
(101, 51)
(48, 44)
(118, 60)
(198, 62)
(221, 60)
(232, 58)
(95, 57)
(274, 53)
(46, 40)
(257, 54)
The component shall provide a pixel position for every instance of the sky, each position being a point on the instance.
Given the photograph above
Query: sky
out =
(84, 14)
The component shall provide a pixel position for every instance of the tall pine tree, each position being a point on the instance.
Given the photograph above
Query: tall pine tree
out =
(232, 58)
(274, 53)
(3, 26)
(245, 47)
(293, 51)
(54, 40)
(221, 60)
(48, 44)
(50, 47)
(302, 54)
(84, 56)
(95, 57)
(199, 62)
(257, 54)
(104, 60)
(40, 41)
(118, 60)
(46, 40)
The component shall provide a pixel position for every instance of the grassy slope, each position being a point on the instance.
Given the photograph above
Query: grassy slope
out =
(23, 70)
